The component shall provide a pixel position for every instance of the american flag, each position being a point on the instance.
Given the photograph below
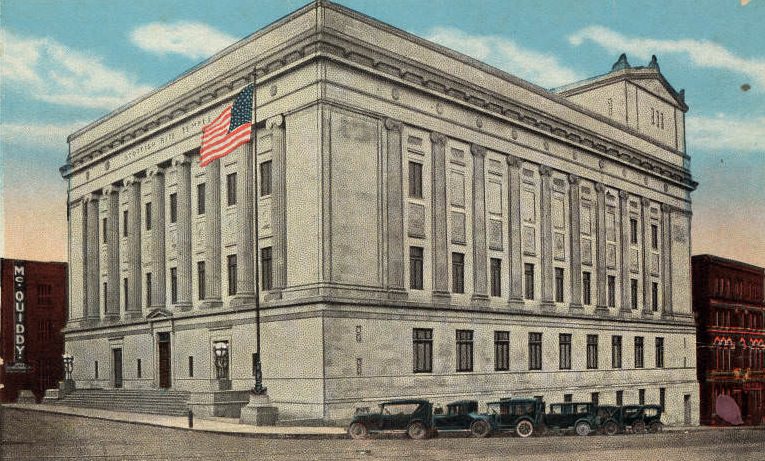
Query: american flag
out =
(231, 129)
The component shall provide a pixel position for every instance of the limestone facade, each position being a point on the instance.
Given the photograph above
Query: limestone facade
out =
(402, 190)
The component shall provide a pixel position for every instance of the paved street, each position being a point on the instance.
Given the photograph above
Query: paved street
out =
(39, 436)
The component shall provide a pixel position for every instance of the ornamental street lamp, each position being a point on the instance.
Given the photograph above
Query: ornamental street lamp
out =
(68, 366)
(221, 360)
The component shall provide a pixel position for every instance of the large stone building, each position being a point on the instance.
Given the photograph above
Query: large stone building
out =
(428, 226)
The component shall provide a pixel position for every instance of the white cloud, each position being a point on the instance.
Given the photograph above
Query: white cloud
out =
(191, 39)
(726, 133)
(542, 69)
(702, 53)
(49, 71)
(46, 135)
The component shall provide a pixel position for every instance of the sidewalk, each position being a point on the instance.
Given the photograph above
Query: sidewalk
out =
(216, 425)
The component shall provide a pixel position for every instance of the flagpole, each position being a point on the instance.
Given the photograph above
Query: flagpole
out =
(258, 389)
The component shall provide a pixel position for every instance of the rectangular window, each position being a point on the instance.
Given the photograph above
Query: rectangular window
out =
(662, 397)
(528, 273)
(231, 189)
(464, 350)
(422, 343)
(104, 228)
(654, 236)
(201, 279)
(611, 291)
(415, 180)
(174, 285)
(595, 398)
(95, 368)
(231, 274)
(655, 296)
(191, 366)
(638, 352)
(265, 178)
(634, 293)
(564, 351)
(44, 292)
(458, 273)
(415, 268)
(125, 223)
(173, 207)
(586, 288)
(106, 296)
(147, 215)
(616, 351)
(558, 285)
(568, 398)
(496, 277)
(619, 398)
(641, 396)
(633, 231)
(535, 351)
(148, 289)
(501, 350)
(266, 264)
(138, 370)
(659, 352)
(125, 292)
(592, 352)
(201, 198)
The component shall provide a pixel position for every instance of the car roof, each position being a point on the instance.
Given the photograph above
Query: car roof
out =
(572, 403)
(404, 401)
(462, 402)
(518, 400)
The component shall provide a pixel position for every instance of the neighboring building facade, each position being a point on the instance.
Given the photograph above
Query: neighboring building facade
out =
(33, 309)
(428, 226)
(730, 315)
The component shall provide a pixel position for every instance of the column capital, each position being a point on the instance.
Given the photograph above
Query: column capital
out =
(179, 160)
(573, 179)
(645, 202)
(478, 151)
(155, 170)
(275, 122)
(91, 197)
(393, 124)
(437, 138)
(599, 187)
(130, 180)
(109, 190)
(545, 170)
(513, 161)
(623, 195)
(666, 208)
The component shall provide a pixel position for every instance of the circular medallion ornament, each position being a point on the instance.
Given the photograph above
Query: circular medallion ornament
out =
(395, 93)
(273, 90)
(439, 108)
(546, 145)
(479, 122)
(514, 134)
(624, 172)
(601, 164)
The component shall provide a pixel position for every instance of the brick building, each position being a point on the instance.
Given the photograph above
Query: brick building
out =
(33, 310)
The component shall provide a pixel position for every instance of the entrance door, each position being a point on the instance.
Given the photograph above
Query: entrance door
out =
(163, 343)
(117, 367)
(687, 407)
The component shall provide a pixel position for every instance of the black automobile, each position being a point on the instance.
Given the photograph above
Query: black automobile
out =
(523, 416)
(577, 416)
(463, 416)
(635, 418)
(652, 418)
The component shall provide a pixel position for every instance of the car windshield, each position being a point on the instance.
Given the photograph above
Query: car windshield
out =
(454, 410)
(399, 408)
(651, 412)
(582, 408)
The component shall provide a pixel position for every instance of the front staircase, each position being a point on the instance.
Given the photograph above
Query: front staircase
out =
(154, 401)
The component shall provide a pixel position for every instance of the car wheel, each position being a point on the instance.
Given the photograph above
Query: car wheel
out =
(656, 427)
(583, 428)
(480, 428)
(358, 431)
(611, 428)
(417, 431)
(524, 428)
(638, 427)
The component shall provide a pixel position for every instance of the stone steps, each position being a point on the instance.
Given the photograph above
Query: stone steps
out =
(154, 401)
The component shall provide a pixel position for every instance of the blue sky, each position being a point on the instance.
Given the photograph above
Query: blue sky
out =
(66, 63)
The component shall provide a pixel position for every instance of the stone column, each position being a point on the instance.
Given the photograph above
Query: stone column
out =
(278, 204)
(212, 236)
(646, 210)
(157, 177)
(135, 277)
(575, 240)
(182, 165)
(666, 257)
(395, 208)
(110, 196)
(92, 259)
(245, 270)
(480, 293)
(515, 249)
(545, 220)
(626, 306)
(439, 240)
(600, 252)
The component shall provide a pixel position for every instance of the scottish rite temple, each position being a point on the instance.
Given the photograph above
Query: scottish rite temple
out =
(427, 226)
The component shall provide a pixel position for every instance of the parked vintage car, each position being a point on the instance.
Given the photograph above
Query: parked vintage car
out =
(635, 418)
(416, 418)
(652, 418)
(523, 416)
(577, 416)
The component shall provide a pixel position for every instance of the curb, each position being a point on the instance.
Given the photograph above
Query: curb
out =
(255, 435)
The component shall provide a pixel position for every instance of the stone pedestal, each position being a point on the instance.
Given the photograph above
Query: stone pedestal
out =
(222, 404)
(66, 387)
(259, 412)
(51, 395)
(221, 384)
(26, 396)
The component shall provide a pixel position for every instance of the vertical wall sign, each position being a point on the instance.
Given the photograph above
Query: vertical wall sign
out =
(19, 314)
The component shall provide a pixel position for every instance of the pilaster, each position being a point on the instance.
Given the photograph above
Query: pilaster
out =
(132, 186)
(395, 210)
(666, 257)
(646, 253)
(624, 267)
(182, 165)
(600, 255)
(575, 241)
(515, 256)
(440, 243)
(110, 196)
(157, 177)
(92, 259)
(480, 293)
(278, 204)
(546, 260)
(212, 239)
